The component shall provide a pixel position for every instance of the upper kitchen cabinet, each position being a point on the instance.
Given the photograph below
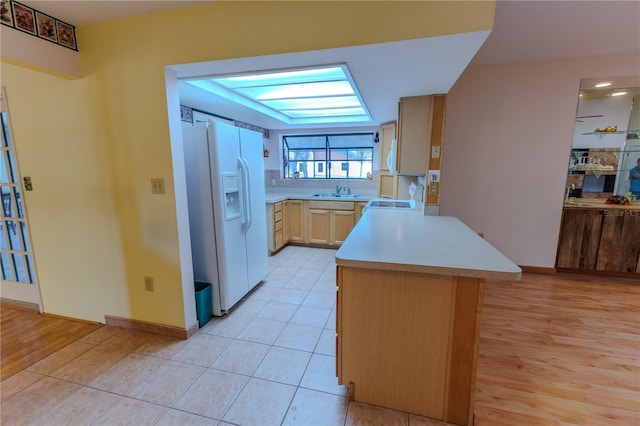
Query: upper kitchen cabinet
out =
(420, 126)
(387, 135)
(387, 182)
(414, 134)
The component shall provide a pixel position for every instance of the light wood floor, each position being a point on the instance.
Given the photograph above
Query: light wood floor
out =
(558, 350)
(27, 337)
(554, 350)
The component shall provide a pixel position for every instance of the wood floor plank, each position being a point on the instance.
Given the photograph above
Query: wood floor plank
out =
(28, 337)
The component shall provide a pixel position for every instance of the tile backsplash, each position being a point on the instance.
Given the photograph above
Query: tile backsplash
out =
(360, 185)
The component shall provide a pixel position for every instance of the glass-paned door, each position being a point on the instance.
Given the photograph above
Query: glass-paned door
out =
(19, 281)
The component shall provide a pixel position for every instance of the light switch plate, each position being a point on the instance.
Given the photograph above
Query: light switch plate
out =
(157, 186)
(435, 152)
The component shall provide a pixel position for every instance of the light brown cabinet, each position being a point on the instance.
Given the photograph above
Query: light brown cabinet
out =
(314, 223)
(414, 134)
(421, 356)
(285, 220)
(296, 221)
(387, 134)
(419, 148)
(277, 225)
(317, 226)
(387, 183)
(329, 222)
(359, 210)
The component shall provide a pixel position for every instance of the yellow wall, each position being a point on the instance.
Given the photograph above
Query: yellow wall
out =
(102, 138)
(75, 235)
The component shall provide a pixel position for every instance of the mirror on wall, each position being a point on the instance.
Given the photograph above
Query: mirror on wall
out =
(606, 139)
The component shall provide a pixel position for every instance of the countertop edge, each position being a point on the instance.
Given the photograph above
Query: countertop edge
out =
(436, 270)
(594, 206)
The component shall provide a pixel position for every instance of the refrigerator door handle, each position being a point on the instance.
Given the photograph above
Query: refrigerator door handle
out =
(246, 192)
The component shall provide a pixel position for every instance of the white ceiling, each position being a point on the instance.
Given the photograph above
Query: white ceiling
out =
(382, 72)
(523, 31)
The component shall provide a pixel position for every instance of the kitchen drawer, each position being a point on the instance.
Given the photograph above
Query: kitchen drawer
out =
(277, 207)
(332, 205)
(278, 226)
(278, 216)
(279, 239)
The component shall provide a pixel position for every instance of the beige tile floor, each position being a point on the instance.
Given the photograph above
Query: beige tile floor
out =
(271, 361)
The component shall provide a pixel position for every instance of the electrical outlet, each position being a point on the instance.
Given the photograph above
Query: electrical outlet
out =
(435, 152)
(148, 283)
(157, 186)
(433, 187)
(273, 182)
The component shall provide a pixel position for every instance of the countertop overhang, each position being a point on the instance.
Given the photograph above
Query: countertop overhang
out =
(408, 241)
(599, 204)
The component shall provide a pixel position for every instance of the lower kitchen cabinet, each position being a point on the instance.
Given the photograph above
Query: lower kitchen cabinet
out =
(329, 222)
(277, 225)
(285, 220)
(599, 239)
(341, 223)
(314, 222)
(421, 356)
(296, 221)
(317, 226)
(359, 210)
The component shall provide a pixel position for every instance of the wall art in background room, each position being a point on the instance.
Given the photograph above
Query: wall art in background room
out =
(5, 13)
(25, 19)
(46, 27)
(66, 35)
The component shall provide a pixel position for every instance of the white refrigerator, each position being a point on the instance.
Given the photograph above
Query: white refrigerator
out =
(227, 211)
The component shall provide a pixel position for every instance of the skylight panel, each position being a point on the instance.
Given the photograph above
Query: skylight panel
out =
(285, 77)
(334, 112)
(307, 103)
(312, 95)
(298, 90)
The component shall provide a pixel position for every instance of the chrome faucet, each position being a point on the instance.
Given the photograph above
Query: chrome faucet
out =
(339, 189)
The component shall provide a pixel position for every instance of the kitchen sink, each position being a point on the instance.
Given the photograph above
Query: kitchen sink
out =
(334, 195)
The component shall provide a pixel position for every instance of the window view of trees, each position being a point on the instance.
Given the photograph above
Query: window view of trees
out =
(331, 156)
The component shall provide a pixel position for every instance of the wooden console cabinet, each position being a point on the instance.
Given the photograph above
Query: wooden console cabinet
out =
(600, 238)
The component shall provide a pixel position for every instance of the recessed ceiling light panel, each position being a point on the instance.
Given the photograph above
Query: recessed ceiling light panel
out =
(295, 96)
(603, 84)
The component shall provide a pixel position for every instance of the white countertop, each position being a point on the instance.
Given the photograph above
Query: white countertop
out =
(404, 240)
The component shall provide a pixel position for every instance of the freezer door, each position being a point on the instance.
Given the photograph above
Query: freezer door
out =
(224, 141)
(256, 235)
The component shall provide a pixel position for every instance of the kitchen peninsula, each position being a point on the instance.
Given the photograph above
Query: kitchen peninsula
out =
(410, 291)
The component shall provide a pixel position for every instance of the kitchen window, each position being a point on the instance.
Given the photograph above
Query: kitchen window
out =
(328, 156)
